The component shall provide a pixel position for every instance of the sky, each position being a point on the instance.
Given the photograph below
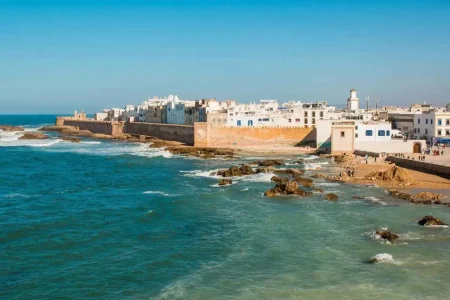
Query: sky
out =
(58, 56)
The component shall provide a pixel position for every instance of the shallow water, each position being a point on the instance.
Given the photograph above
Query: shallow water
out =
(112, 220)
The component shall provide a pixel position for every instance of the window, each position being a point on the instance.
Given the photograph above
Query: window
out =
(426, 121)
(388, 133)
(266, 119)
(439, 122)
(426, 131)
(314, 121)
(314, 114)
(356, 127)
(306, 121)
(418, 120)
(447, 122)
(289, 120)
(297, 120)
(381, 133)
(306, 114)
(431, 121)
(321, 114)
(418, 130)
(356, 135)
(369, 132)
(439, 132)
(260, 120)
(250, 123)
(447, 132)
(342, 134)
(238, 122)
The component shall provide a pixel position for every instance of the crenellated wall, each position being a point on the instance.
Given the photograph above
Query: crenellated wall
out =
(207, 135)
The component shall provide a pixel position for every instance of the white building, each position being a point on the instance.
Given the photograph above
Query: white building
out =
(175, 112)
(432, 124)
(352, 102)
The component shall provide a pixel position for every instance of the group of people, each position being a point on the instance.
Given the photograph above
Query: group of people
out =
(350, 171)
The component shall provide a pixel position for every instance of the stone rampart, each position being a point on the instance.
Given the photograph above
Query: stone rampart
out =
(421, 166)
(170, 132)
(207, 135)
(110, 128)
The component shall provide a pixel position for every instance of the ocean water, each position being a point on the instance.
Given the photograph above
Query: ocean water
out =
(113, 220)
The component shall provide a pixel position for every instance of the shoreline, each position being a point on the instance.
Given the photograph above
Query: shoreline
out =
(422, 180)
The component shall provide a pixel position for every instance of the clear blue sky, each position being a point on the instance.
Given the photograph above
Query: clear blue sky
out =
(57, 56)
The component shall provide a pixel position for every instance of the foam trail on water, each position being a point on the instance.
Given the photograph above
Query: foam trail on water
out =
(160, 193)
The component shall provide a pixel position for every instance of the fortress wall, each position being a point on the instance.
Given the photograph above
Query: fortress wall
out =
(170, 132)
(110, 128)
(207, 135)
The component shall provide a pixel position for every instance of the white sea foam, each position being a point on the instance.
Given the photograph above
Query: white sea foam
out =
(437, 226)
(375, 200)
(261, 177)
(383, 258)
(91, 142)
(160, 193)
(201, 173)
(311, 167)
(328, 184)
(243, 190)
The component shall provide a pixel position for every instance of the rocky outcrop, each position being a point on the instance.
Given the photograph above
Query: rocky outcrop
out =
(199, 151)
(269, 163)
(319, 175)
(236, 171)
(394, 174)
(71, 139)
(343, 159)
(292, 172)
(357, 197)
(331, 197)
(285, 188)
(431, 221)
(278, 179)
(264, 170)
(428, 196)
(318, 189)
(421, 198)
(11, 128)
(306, 182)
(387, 235)
(33, 136)
(225, 181)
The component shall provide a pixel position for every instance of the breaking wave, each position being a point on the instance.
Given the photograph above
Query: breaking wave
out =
(160, 193)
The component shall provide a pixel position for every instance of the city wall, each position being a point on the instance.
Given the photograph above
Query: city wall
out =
(421, 166)
(170, 132)
(207, 135)
(110, 128)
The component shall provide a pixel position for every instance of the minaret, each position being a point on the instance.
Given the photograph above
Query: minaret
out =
(352, 101)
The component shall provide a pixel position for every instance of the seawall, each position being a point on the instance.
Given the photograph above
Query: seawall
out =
(170, 132)
(110, 128)
(207, 135)
(421, 166)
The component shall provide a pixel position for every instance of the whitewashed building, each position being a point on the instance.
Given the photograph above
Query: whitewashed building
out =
(432, 124)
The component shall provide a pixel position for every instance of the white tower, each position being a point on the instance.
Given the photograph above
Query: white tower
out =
(352, 102)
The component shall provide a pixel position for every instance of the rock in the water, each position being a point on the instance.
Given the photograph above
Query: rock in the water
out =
(11, 128)
(264, 170)
(300, 161)
(319, 175)
(33, 136)
(331, 197)
(428, 196)
(277, 179)
(318, 189)
(286, 188)
(236, 171)
(225, 181)
(292, 172)
(357, 197)
(382, 257)
(431, 221)
(71, 139)
(343, 159)
(387, 235)
(400, 195)
(304, 181)
(269, 163)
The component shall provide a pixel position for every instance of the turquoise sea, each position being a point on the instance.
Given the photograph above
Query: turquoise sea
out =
(113, 220)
